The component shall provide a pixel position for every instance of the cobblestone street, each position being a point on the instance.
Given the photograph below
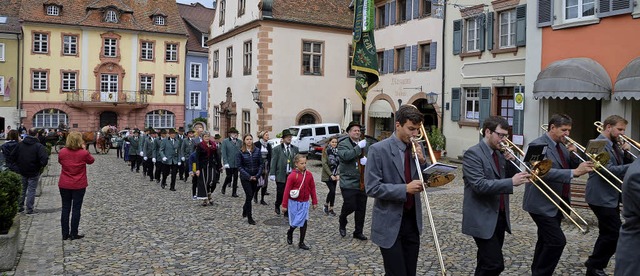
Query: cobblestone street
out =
(133, 227)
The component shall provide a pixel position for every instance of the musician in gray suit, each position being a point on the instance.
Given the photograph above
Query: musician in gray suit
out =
(603, 199)
(627, 257)
(391, 178)
(169, 149)
(488, 182)
(545, 214)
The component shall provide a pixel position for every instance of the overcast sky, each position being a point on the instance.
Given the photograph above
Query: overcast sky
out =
(206, 3)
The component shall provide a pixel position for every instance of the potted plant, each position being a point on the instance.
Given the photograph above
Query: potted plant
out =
(10, 188)
(437, 141)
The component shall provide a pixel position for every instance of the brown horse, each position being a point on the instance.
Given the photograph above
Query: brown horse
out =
(96, 139)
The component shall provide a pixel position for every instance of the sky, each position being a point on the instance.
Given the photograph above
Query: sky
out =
(206, 3)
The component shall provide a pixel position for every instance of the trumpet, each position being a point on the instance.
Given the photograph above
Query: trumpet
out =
(621, 139)
(598, 160)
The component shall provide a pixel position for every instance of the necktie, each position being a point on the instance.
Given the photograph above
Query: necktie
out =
(409, 204)
(497, 162)
(616, 150)
(566, 187)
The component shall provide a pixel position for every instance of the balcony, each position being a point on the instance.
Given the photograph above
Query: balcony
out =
(96, 98)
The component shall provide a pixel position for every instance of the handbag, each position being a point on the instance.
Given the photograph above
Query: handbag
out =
(294, 193)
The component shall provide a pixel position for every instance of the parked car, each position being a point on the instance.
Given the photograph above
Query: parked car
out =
(304, 135)
(316, 149)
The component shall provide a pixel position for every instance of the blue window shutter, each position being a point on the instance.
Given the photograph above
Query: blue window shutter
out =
(455, 104)
(384, 62)
(545, 13)
(490, 31)
(386, 14)
(614, 7)
(433, 55)
(518, 115)
(416, 9)
(481, 31)
(414, 57)
(457, 36)
(392, 64)
(408, 11)
(407, 59)
(389, 61)
(392, 10)
(485, 104)
(521, 25)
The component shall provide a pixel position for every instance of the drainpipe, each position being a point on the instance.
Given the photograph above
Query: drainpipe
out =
(19, 76)
(444, 24)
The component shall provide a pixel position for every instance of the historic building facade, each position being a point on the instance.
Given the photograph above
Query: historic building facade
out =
(10, 62)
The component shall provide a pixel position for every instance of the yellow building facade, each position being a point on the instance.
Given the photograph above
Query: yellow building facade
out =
(10, 58)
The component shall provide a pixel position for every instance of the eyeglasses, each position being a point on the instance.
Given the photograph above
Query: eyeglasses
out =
(501, 135)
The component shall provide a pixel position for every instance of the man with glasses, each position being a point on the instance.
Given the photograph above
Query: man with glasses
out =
(488, 181)
(545, 214)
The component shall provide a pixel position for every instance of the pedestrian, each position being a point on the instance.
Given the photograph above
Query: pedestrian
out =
(73, 159)
(627, 258)
(134, 148)
(281, 166)
(330, 176)
(192, 172)
(169, 156)
(218, 141)
(149, 151)
(144, 138)
(265, 153)
(350, 151)
(182, 172)
(22, 129)
(119, 146)
(230, 150)
(157, 160)
(186, 148)
(7, 148)
(250, 167)
(127, 146)
(207, 159)
(30, 158)
(297, 205)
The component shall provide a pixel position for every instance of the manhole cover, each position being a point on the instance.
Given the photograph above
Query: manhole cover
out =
(50, 210)
(277, 222)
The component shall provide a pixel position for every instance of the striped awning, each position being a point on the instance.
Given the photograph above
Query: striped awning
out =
(574, 78)
(380, 109)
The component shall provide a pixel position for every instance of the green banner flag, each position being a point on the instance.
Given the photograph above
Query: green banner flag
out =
(365, 58)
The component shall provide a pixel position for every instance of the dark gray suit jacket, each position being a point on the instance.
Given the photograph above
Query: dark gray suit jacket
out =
(483, 185)
(598, 191)
(627, 258)
(534, 201)
(384, 181)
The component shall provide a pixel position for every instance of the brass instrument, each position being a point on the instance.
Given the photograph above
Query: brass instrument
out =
(599, 161)
(621, 139)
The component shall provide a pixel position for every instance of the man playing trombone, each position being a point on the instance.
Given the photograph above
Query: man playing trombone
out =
(543, 211)
(488, 181)
(604, 199)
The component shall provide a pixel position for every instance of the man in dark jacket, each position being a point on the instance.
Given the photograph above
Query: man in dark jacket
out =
(30, 156)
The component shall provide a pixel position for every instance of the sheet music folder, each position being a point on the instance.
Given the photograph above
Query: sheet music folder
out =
(535, 152)
(439, 168)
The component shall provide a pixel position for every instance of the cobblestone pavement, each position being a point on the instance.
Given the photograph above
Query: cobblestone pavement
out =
(133, 227)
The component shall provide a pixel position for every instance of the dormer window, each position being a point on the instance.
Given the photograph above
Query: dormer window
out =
(53, 10)
(111, 16)
(204, 41)
(159, 20)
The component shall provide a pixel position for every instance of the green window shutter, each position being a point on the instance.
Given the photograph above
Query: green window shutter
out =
(455, 104)
(485, 104)
(490, 31)
(481, 31)
(457, 36)
(518, 115)
(521, 25)
(545, 13)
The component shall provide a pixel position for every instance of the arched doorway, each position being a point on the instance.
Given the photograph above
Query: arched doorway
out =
(307, 119)
(108, 118)
(430, 114)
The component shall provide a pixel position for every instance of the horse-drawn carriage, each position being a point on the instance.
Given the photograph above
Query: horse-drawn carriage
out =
(101, 141)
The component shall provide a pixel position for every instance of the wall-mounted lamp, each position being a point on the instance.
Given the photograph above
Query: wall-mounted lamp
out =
(432, 98)
(256, 97)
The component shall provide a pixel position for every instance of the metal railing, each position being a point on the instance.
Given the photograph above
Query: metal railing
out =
(97, 96)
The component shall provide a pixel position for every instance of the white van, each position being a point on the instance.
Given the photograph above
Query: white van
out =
(304, 135)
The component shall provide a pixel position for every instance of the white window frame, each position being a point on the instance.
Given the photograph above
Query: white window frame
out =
(171, 52)
(49, 118)
(146, 50)
(475, 39)
(216, 63)
(109, 82)
(241, 7)
(351, 73)
(2, 51)
(69, 81)
(580, 7)
(399, 59)
(246, 57)
(40, 43)
(194, 100)
(425, 59)
(146, 83)
(311, 54)
(159, 20)
(2, 87)
(471, 95)
(39, 81)
(216, 117)
(171, 85)
(195, 71)
(111, 16)
(53, 10)
(204, 41)
(230, 61)
(70, 45)
(246, 121)
(222, 13)
(110, 45)
(511, 29)
(159, 119)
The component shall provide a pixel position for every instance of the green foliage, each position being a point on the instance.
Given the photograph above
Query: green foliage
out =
(10, 189)
(279, 135)
(436, 138)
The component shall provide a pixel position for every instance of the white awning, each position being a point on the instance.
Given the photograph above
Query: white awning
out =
(628, 83)
(574, 78)
(380, 109)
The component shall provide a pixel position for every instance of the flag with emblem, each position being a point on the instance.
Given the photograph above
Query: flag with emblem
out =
(365, 58)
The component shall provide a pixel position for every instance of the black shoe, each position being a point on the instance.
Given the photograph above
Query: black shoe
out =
(244, 214)
(277, 211)
(163, 185)
(181, 178)
(286, 214)
(234, 195)
(343, 232)
(326, 209)
(332, 213)
(151, 180)
(76, 237)
(172, 189)
(223, 191)
(360, 236)
(251, 221)
(65, 237)
(255, 200)
(263, 202)
(185, 179)
(267, 193)
(289, 237)
(595, 272)
(303, 246)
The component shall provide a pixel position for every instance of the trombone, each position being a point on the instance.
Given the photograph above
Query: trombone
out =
(622, 138)
(538, 170)
(439, 179)
(599, 161)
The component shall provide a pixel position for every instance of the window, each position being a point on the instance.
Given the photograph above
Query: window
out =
(39, 81)
(223, 6)
(425, 57)
(171, 85)
(312, 58)
(158, 20)
(381, 14)
(108, 83)
(194, 100)
(146, 83)
(352, 73)
(216, 63)
(1, 51)
(401, 10)
(400, 60)
(196, 71)
(229, 61)
(241, 7)
(49, 118)
(216, 117)
(111, 16)
(146, 50)
(2, 87)
(204, 41)
(53, 10)
(70, 45)
(472, 103)
(246, 58)
(472, 27)
(110, 47)
(321, 131)
(507, 28)
(380, 62)
(306, 119)
(334, 130)
(246, 122)
(69, 81)
(426, 8)
(171, 52)
(158, 119)
(577, 9)
(40, 43)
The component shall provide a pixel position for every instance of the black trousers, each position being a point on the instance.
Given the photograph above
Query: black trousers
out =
(194, 185)
(354, 201)
(149, 168)
(159, 170)
(331, 196)
(182, 173)
(71, 201)
(135, 162)
(119, 152)
(551, 242)
(608, 231)
(402, 258)
(173, 169)
(279, 193)
(490, 260)
(249, 187)
(231, 173)
(185, 169)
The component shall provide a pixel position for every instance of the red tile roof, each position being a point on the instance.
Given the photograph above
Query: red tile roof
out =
(198, 19)
(334, 13)
(11, 10)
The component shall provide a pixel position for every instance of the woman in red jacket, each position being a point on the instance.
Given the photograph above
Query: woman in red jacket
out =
(73, 182)
(301, 180)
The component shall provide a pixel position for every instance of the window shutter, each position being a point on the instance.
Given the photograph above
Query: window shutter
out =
(490, 31)
(485, 104)
(392, 11)
(457, 36)
(521, 25)
(608, 8)
(385, 59)
(433, 55)
(416, 9)
(518, 115)
(386, 14)
(408, 12)
(390, 65)
(414, 57)
(545, 13)
(481, 20)
(455, 104)
(407, 59)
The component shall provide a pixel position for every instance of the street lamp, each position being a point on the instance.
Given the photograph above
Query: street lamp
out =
(432, 98)
(256, 99)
